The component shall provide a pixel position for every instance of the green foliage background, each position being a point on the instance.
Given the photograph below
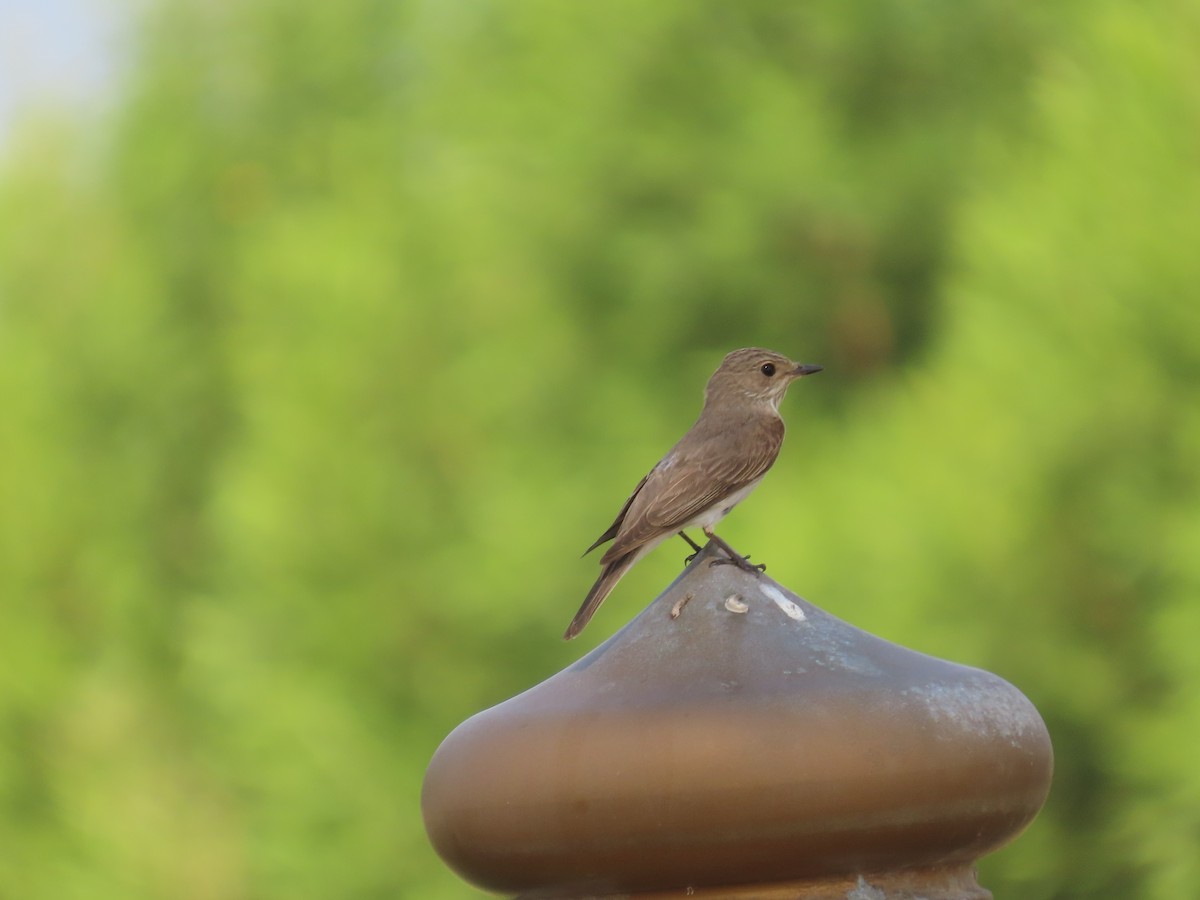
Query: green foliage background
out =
(325, 357)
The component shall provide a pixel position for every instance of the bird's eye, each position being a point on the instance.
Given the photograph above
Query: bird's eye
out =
(767, 369)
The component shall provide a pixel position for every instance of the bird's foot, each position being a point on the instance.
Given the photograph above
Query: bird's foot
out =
(742, 562)
(695, 549)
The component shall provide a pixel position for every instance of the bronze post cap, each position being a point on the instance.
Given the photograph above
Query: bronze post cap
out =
(735, 739)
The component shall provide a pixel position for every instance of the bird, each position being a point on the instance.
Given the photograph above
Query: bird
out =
(713, 467)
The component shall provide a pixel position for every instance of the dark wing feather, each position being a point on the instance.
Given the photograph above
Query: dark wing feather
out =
(674, 494)
(616, 525)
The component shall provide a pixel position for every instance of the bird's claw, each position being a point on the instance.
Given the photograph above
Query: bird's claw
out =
(742, 562)
(687, 559)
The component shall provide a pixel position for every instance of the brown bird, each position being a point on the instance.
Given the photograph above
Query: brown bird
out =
(720, 460)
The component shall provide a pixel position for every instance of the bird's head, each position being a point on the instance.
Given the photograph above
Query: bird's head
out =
(754, 375)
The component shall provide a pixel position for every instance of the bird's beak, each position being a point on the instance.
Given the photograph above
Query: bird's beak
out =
(801, 371)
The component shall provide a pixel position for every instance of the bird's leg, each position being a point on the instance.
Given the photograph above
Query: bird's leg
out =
(695, 547)
(735, 558)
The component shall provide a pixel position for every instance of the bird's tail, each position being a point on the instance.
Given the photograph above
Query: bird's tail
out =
(604, 584)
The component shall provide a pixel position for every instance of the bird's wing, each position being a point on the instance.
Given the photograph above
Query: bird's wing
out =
(679, 489)
(616, 525)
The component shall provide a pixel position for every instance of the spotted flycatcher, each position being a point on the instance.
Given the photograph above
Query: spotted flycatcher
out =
(720, 460)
